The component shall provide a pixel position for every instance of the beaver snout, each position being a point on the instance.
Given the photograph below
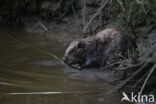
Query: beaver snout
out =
(71, 63)
(66, 60)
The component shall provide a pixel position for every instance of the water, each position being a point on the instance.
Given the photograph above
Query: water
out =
(28, 75)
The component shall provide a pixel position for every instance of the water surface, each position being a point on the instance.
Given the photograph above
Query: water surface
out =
(28, 75)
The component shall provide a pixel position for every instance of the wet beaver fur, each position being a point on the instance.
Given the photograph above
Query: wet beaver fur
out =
(106, 47)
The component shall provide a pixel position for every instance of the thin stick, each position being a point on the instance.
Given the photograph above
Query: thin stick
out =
(121, 4)
(145, 82)
(59, 5)
(84, 12)
(100, 20)
(139, 1)
(43, 26)
(130, 67)
(128, 79)
(111, 65)
(129, 13)
(46, 93)
(75, 15)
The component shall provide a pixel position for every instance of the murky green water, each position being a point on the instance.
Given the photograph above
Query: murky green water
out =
(29, 76)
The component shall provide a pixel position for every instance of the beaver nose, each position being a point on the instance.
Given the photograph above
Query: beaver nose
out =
(65, 60)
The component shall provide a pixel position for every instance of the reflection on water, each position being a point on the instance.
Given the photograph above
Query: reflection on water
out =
(28, 76)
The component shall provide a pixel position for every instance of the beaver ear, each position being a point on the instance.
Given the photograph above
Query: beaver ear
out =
(80, 44)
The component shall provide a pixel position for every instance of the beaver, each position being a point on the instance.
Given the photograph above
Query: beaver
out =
(104, 48)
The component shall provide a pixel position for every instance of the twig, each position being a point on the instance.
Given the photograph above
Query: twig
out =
(131, 67)
(111, 65)
(100, 20)
(140, 80)
(139, 1)
(43, 26)
(121, 4)
(84, 12)
(142, 3)
(143, 7)
(145, 82)
(96, 14)
(128, 79)
(75, 15)
(111, 1)
(129, 13)
(58, 5)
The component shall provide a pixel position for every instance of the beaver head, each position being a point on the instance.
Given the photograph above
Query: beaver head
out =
(75, 54)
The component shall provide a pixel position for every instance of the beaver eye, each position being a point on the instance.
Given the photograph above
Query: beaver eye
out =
(80, 45)
(70, 52)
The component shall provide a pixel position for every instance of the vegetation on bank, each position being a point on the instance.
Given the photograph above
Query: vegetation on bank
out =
(135, 16)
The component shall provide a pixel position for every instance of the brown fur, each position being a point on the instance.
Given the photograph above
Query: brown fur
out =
(108, 46)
